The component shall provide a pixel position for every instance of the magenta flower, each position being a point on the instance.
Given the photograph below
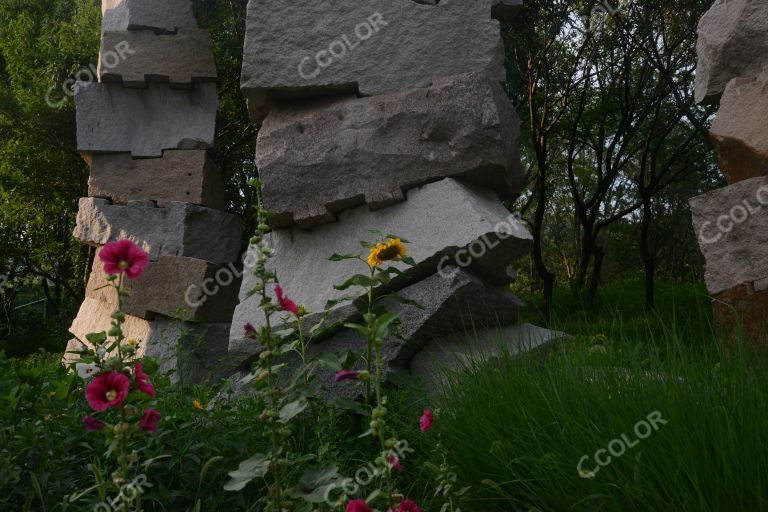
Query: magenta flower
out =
(285, 303)
(425, 423)
(408, 506)
(347, 375)
(149, 421)
(250, 330)
(107, 390)
(124, 257)
(357, 506)
(394, 462)
(92, 424)
(142, 380)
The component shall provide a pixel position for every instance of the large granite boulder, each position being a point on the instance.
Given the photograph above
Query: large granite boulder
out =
(193, 352)
(740, 132)
(166, 16)
(732, 225)
(447, 223)
(179, 59)
(309, 48)
(177, 287)
(181, 229)
(732, 43)
(179, 176)
(144, 122)
(459, 351)
(317, 159)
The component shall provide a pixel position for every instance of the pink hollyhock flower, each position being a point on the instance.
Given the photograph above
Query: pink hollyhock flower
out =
(286, 303)
(250, 330)
(425, 423)
(124, 257)
(408, 506)
(347, 375)
(92, 424)
(142, 380)
(107, 390)
(357, 506)
(394, 462)
(149, 421)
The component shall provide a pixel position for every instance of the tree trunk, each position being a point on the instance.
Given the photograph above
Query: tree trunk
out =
(547, 277)
(649, 264)
(597, 271)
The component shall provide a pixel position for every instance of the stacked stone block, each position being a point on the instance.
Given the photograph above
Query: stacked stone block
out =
(731, 222)
(385, 116)
(145, 128)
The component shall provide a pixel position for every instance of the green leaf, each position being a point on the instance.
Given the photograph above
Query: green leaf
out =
(330, 361)
(357, 280)
(314, 483)
(342, 257)
(293, 409)
(362, 329)
(250, 469)
(97, 338)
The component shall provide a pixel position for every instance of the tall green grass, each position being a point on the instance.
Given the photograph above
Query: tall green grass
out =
(519, 428)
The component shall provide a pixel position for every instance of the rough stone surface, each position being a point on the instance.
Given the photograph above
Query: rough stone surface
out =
(440, 220)
(174, 287)
(144, 122)
(739, 132)
(461, 303)
(164, 16)
(194, 352)
(321, 158)
(732, 226)
(457, 351)
(743, 309)
(365, 46)
(181, 229)
(732, 43)
(181, 176)
(180, 59)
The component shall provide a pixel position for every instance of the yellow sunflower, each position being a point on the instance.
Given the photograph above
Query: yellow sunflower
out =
(389, 250)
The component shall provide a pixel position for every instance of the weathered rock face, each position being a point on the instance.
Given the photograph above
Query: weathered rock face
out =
(732, 44)
(744, 308)
(193, 352)
(460, 303)
(321, 158)
(455, 352)
(739, 132)
(182, 176)
(310, 48)
(144, 122)
(447, 222)
(179, 59)
(166, 17)
(176, 287)
(181, 229)
(732, 224)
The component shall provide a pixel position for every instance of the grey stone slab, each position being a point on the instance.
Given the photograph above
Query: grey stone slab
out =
(446, 222)
(310, 48)
(447, 355)
(144, 122)
(181, 229)
(739, 132)
(320, 158)
(193, 352)
(179, 59)
(732, 227)
(732, 43)
(162, 16)
(180, 176)
(458, 304)
(173, 286)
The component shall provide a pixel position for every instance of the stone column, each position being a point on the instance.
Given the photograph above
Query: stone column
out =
(386, 116)
(732, 222)
(145, 128)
